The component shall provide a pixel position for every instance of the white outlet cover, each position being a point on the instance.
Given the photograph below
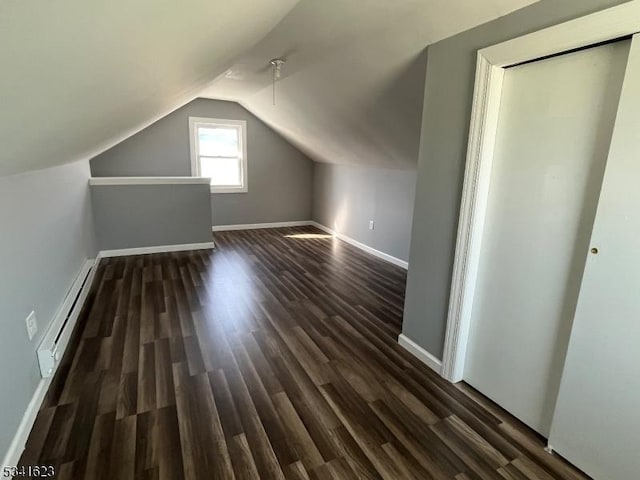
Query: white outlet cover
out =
(371, 224)
(32, 325)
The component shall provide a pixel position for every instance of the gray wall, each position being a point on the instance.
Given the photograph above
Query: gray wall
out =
(279, 176)
(443, 146)
(47, 234)
(347, 197)
(130, 216)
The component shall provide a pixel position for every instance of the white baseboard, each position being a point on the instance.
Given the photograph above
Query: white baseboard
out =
(257, 226)
(362, 246)
(420, 353)
(21, 436)
(159, 249)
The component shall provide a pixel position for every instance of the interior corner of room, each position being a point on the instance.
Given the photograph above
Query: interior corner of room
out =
(420, 219)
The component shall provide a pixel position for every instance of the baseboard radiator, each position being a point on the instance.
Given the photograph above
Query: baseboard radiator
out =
(57, 337)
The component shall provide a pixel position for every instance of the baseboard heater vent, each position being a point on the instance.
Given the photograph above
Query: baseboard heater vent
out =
(57, 337)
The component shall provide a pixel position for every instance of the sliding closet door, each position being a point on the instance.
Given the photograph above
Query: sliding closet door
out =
(597, 418)
(554, 131)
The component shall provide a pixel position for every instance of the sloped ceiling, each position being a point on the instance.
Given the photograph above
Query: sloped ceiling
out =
(352, 88)
(77, 76)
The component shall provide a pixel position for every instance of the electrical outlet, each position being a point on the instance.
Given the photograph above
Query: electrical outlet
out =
(32, 325)
(372, 225)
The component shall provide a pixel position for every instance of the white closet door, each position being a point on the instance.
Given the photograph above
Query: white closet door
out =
(554, 130)
(597, 420)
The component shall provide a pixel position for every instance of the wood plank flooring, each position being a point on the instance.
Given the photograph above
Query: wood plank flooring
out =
(273, 357)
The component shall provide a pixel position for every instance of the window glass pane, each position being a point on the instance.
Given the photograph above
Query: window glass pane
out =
(219, 141)
(222, 171)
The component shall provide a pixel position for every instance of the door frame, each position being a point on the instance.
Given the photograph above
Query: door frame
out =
(606, 25)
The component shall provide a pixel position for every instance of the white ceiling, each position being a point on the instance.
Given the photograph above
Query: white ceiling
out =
(352, 87)
(77, 76)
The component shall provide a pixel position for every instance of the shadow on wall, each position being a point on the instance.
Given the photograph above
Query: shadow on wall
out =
(388, 121)
(354, 116)
(397, 110)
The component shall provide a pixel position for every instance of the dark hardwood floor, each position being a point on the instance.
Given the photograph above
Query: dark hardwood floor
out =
(274, 356)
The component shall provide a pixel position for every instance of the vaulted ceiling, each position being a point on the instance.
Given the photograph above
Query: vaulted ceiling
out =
(352, 87)
(79, 76)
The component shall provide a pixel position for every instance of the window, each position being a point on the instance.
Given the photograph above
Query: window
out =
(219, 152)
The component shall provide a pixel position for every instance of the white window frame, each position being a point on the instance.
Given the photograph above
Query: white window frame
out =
(194, 144)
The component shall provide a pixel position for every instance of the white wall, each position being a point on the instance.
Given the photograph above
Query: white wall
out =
(46, 233)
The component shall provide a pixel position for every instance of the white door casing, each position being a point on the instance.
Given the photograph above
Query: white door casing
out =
(606, 25)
